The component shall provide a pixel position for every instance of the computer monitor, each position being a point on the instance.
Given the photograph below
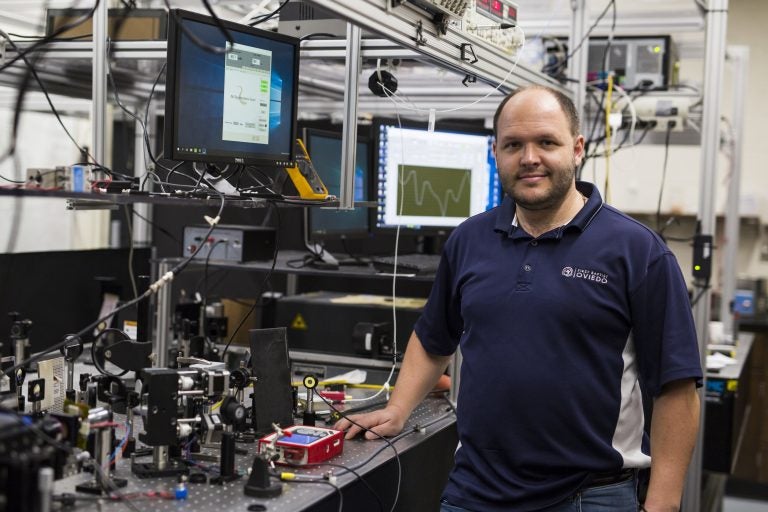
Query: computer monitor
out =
(432, 181)
(324, 149)
(235, 106)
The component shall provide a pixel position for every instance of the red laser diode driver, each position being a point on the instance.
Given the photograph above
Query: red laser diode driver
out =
(304, 445)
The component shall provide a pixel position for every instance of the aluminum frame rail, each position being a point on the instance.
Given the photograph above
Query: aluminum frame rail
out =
(413, 29)
(399, 24)
(717, 19)
(738, 57)
(99, 83)
(577, 71)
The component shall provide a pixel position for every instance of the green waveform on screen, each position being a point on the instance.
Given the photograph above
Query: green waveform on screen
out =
(434, 191)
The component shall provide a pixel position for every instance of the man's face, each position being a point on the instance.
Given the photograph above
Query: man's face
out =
(536, 154)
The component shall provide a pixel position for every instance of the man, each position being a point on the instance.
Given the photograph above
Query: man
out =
(568, 315)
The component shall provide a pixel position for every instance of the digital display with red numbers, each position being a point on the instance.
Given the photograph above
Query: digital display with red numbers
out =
(497, 10)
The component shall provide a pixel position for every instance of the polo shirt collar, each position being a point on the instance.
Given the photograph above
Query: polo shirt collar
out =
(505, 215)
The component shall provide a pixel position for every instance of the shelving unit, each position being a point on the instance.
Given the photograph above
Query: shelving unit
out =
(164, 302)
(396, 24)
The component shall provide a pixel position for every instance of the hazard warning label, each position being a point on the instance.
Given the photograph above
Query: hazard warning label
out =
(299, 323)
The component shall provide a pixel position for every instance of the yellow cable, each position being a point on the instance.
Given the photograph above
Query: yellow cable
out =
(346, 384)
(608, 139)
(368, 386)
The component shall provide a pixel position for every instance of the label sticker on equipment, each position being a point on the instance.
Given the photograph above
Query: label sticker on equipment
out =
(299, 323)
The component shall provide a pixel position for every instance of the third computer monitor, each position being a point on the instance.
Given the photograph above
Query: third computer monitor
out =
(431, 181)
(324, 149)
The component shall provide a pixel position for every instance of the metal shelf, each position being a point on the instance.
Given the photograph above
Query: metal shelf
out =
(398, 24)
(98, 201)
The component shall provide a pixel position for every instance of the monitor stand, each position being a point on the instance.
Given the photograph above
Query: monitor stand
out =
(322, 255)
(430, 244)
(218, 182)
(324, 258)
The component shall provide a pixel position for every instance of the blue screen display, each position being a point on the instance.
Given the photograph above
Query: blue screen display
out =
(325, 152)
(238, 105)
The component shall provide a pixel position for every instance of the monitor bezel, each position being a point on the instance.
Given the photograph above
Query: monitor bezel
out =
(440, 126)
(170, 129)
(339, 235)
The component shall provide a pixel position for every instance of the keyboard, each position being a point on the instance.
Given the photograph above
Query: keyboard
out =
(407, 263)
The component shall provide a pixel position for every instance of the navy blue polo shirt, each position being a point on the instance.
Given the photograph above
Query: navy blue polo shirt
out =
(557, 334)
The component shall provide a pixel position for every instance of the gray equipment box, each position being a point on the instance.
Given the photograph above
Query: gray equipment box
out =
(230, 243)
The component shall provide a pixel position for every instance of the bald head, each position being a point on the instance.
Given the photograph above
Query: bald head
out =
(566, 106)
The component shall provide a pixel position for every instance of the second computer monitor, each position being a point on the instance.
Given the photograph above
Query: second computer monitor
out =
(433, 180)
(324, 149)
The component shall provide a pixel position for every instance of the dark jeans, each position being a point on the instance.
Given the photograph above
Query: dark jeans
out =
(619, 497)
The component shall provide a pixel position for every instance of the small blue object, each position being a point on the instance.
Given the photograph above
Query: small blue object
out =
(181, 492)
(715, 386)
(78, 178)
(744, 302)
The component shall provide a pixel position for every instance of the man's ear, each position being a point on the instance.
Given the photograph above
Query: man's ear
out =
(578, 149)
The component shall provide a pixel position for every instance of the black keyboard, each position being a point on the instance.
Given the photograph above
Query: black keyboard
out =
(407, 263)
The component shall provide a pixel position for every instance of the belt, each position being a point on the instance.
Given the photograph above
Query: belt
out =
(601, 479)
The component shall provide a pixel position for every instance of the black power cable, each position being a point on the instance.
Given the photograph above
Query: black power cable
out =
(39, 47)
(218, 22)
(316, 34)
(359, 478)
(31, 72)
(159, 228)
(52, 36)
(266, 17)
(586, 36)
(264, 282)
(73, 38)
(324, 482)
(147, 294)
(389, 442)
(131, 247)
(701, 293)
(219, 50)
(19, 182)
(205, 283)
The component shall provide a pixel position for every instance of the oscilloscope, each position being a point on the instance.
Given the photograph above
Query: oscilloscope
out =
(433, 180)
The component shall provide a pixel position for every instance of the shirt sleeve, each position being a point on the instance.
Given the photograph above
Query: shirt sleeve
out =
(440, 326)
(662, 326)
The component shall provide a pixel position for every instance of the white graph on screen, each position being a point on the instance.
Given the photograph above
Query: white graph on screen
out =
(451, 197)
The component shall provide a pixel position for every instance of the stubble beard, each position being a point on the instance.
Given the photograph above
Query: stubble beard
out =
(561, 184)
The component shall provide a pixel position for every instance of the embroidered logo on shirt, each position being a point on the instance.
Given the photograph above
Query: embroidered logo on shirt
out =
(586, 274)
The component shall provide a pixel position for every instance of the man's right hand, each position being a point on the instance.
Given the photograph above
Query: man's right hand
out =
(384, 422)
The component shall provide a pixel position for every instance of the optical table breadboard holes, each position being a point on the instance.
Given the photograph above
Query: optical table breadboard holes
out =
(230, 496)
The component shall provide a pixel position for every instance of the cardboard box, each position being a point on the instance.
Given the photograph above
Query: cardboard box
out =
(235, 310)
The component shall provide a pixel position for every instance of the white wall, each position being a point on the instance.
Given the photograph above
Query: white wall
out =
(747, 26)
(45, 224)
(636, 173)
